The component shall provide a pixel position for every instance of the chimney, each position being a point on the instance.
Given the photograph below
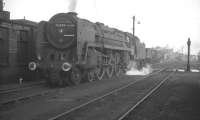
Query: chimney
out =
(73, 14)
(4, 15)
(1, 5)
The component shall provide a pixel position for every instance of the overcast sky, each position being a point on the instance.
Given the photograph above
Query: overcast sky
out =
(162, 22)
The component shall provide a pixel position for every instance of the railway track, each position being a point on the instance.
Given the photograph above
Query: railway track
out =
(85, 110)
(177, 65)
(17, 94)
(20, 88)
(125, 115)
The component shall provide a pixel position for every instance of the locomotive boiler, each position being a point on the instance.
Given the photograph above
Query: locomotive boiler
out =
(71, 50)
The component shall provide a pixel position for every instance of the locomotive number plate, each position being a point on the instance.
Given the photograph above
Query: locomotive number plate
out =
(64, 25)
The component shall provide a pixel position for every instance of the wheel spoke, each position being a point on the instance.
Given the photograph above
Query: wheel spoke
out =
(110, 70)
(117, 66)
(117, 70)
(100, 73)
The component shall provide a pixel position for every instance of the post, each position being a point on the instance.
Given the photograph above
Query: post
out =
(135, 49)
(188, 61)
(133, 26)
(20, 80)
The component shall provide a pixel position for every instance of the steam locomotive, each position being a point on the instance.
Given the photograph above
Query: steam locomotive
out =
(71, 50)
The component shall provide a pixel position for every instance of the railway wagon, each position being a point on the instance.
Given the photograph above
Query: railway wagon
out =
(71, 50)
(132, 45)
(16, 40)
(157, 55)
(140, 52)
(148, 55)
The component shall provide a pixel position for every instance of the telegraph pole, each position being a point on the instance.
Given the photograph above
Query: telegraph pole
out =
(188, 61)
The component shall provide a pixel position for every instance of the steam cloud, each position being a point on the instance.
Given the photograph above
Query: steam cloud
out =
(72, 5)
(134, 71)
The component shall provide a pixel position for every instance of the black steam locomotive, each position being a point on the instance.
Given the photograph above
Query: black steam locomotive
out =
(71, 50)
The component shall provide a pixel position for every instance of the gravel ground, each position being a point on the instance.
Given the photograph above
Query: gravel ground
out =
(5, 97)
(178, 99)
(42, 107)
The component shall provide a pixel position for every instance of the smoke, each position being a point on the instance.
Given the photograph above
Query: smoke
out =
(72, 5)
(134, 71)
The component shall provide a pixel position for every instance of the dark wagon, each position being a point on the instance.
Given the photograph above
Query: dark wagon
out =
(16, 47)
